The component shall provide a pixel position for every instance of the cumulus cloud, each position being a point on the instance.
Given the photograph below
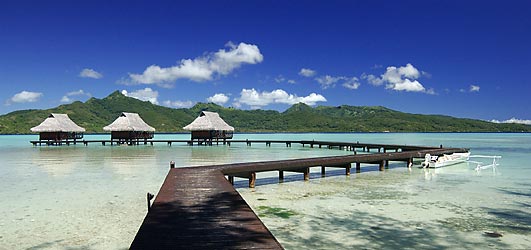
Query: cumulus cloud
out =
(307, 72)
(178, 104)
(403, 78)
(351, 83)
(513, 120)
(406, 85)
(328, 81)
(372, 79)
(257, 99)
(69, 95)
(146, 94)
(24, 97)
(202, 68)
(431, 91)
(474, 88)
(471, 88)
(90, 73)
(219, 98)
(281, 79)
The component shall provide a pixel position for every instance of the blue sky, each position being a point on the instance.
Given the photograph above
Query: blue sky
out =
(459, 58)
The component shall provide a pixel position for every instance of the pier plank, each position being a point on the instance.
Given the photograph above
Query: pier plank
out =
(201, 210)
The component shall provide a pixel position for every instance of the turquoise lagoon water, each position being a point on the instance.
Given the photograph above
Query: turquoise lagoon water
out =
(77, 197)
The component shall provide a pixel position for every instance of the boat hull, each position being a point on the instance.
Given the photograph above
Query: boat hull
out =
(445, 160)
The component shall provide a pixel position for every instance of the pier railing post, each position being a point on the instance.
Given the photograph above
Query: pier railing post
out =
(149, 198)
(252, 180)
(307, 174)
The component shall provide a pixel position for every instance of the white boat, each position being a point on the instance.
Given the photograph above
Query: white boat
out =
(435, 161)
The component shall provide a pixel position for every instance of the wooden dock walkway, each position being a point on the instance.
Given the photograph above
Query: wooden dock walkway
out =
(198, 208)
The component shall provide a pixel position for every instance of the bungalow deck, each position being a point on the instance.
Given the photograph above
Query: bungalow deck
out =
(198, 208)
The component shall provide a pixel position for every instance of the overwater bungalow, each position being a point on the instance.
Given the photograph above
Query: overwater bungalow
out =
(58, 128)
(129, 127)
(208, 126)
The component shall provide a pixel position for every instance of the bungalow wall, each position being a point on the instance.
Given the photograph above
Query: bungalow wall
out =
(211, 134)
(59, 136)
(131, 135)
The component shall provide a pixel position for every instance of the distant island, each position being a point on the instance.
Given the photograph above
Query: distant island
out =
(95, 113)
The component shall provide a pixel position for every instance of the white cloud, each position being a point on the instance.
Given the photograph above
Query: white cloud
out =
(257, 99)
(281, 79)
(67, 97)
(474, 88)
(513, 120)
(328, 81)
(146, 94)
(471, 88)
(202, 68)
(90, 73)
(237, 105)
(372, 79)
(307, 72)
(407, 85)
(351, 83)
(399, 79)
(24, 96)
(178, 104)
(219, 98)
(431, 91)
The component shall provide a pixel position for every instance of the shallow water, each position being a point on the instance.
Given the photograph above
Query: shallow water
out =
(94, 197)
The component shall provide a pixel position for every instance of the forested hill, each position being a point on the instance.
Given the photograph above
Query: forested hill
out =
(94, 114)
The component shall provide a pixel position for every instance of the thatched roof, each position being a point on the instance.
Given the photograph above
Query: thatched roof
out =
(57, 123)
(129, 122)
(208, 121)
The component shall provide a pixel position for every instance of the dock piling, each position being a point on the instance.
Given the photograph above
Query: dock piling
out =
(382, 165)
(252, 179)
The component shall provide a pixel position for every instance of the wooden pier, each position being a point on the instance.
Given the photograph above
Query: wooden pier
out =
(198, 208)
(350, 146)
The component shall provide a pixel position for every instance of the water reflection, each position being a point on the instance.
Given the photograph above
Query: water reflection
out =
(58, 162)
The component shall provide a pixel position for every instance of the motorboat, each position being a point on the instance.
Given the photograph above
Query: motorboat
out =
(436, 161)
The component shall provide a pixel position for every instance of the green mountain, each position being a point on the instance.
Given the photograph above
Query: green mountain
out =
(94, 114)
